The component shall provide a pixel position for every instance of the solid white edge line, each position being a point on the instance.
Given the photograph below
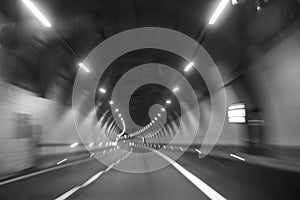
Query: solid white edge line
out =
(90, 180)
(206, 189)
(69, 193)
(44, 171)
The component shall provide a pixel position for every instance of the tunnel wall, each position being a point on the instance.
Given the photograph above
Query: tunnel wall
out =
(57, 125)
(32, 126)
(275, 80)
(279, 69)
(16, 145)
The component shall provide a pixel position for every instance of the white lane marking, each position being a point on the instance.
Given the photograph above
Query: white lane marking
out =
(237, 157)
(198, 151)
(45, 171)
(63, 160)
(206, 189)
(181, 148)
(69, 193)
(91, 180)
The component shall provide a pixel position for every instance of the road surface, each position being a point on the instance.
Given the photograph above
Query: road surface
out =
(188, 178)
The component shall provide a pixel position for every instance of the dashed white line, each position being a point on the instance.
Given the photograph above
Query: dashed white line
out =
(198, 151)
(63, 160)
(45, 171)
(237, 157)
(206, 189)
(91, 180)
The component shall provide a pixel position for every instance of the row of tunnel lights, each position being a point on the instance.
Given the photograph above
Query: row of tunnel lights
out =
(29, 4)
(111, 102)
(168, 101)
(151, 123)
(221, 6)
(38, 14)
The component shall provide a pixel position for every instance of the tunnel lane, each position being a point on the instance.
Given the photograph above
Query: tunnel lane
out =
(230, 179)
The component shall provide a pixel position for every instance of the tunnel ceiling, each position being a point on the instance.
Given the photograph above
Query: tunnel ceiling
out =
(144, 97)
(39, 60)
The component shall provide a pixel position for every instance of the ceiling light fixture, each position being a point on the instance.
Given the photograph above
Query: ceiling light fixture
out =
(85, 68)
(218, 11)
(189, 66)
(102, 90)
(175, 89)
(36, 12)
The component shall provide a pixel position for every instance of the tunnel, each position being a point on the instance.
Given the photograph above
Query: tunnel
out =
(141, 99)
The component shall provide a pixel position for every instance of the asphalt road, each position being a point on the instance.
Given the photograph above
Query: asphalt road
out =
(93, 180)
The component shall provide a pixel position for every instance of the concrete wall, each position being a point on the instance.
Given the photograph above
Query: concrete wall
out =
(48, 122)
(56, 120)
(17, 150)
(280, 68)
(16, 155)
